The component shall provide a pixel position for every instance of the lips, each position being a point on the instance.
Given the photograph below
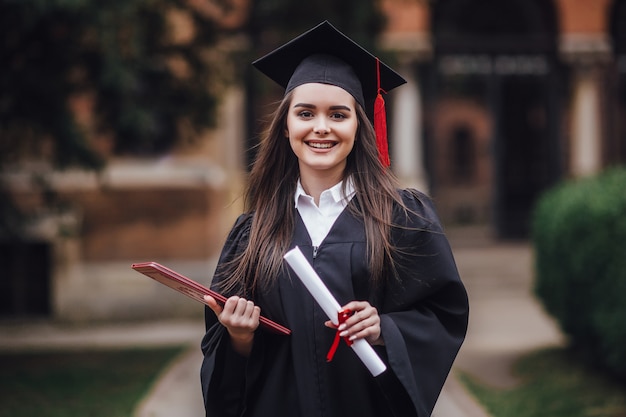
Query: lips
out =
(321, 144)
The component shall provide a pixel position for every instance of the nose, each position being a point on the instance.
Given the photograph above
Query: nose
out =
(321, 127)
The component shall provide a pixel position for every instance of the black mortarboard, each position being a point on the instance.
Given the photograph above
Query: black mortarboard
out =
(320, 55)
(325, 55)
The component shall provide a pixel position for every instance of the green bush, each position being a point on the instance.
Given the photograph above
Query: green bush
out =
(579, 236)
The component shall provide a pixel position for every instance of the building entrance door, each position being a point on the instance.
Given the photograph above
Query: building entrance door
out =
(25, 280)
(525, 149)
(494, 111)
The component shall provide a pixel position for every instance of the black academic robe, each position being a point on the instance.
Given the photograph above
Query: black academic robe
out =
(423, 322)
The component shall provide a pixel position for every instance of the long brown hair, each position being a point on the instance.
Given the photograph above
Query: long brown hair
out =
(269, 198)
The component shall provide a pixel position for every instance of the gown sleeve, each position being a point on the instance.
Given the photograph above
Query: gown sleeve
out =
(425, 309)
(223, 372)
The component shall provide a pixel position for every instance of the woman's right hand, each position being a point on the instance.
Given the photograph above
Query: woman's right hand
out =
(241, 319)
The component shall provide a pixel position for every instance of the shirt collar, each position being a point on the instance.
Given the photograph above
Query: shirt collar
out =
(335, 192)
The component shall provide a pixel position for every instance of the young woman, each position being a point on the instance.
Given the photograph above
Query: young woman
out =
(320, 183)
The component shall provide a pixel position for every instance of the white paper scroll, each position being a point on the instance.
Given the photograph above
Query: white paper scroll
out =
(331, 307)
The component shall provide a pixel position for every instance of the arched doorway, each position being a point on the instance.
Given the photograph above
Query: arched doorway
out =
(494, 77)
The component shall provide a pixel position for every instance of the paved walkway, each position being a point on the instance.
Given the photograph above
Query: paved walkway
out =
(505, 322)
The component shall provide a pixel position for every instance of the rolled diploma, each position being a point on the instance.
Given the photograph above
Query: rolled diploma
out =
(331, 307)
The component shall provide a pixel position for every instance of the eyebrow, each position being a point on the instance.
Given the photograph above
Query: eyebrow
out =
(312, 106)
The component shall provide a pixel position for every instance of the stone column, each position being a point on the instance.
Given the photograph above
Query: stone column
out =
(407, 141)
(586, 137)
(232, 130)
(587, 54)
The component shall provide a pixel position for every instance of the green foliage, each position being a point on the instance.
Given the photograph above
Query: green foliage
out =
(119, 58)
(121, 54)
(118, 51)
(579, 234)
(121, 51)
(552, 383)
(81, 383)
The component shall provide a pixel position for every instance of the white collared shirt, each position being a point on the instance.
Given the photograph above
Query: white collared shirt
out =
(319, 220)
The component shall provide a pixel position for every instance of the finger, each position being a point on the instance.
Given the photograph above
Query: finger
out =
(244, 308)
(256, 314)
(364, 331)
(362, 315)
(371, 335)
(240, 307)
(330, 324)
(252, 316)
(363, 324)
(243, 317)
(246, 317)
(228, 316)
(213, 304)
(356, 306)
(231, 305)
(360, 326)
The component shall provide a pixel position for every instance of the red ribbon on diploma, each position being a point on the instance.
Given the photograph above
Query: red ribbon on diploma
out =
(342, 316)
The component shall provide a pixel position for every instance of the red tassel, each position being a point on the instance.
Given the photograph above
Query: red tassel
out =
(380, 123)
(380, 127)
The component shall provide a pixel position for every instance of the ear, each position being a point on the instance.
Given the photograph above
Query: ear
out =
(286, 133)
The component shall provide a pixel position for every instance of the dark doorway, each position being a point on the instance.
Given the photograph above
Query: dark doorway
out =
(25, 279)
(525, 155)
(499, 58)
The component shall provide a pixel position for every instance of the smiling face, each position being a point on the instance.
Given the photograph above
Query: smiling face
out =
(321, 126)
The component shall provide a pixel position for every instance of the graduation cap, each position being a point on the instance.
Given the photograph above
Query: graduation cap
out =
(325, 55)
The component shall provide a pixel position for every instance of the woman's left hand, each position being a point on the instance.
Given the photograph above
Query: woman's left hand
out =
(363, 324)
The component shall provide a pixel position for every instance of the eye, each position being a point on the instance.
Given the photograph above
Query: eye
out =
(305, 114)
(338, 116)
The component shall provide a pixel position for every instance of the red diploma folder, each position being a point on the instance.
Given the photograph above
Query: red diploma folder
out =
(193, 290)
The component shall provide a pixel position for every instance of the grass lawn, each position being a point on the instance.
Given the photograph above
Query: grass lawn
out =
(553, 384)
(99, 383)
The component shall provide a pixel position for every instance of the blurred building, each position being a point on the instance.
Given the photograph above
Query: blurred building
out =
(505, 98)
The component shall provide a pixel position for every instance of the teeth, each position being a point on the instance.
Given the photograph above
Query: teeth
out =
(318, 145)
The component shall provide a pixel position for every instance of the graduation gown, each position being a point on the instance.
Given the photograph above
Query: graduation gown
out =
(423, 322)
